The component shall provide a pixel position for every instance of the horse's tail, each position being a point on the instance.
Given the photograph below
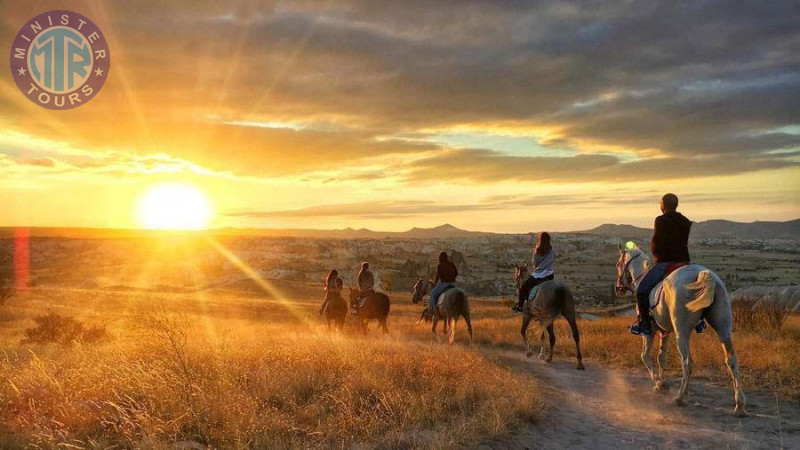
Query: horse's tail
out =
(701, 292)
(386, 304)
(461, 301)
(560, 293)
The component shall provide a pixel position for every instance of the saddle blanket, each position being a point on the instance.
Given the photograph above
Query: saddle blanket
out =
(533, 293)
(658, 291)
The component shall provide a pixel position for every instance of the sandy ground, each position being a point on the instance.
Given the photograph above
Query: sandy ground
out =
(603, 408)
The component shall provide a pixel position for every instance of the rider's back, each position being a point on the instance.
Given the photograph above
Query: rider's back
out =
(671, 237)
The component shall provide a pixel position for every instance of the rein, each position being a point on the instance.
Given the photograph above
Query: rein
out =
(627, 282)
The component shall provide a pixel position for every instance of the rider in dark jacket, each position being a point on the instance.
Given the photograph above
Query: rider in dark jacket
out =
(669, 245)
(446, 273)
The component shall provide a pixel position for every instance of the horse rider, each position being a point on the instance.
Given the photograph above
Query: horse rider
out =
(366, 284)
(669, 245)
(445, 278)
(544, 258)
(332, 288)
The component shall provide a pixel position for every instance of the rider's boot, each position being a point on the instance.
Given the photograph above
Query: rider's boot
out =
(701, 327)
(642, 326)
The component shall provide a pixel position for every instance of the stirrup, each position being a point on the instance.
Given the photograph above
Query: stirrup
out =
(638, 330)
(700, 327)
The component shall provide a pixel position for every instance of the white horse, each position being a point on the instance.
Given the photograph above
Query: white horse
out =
(686, 296)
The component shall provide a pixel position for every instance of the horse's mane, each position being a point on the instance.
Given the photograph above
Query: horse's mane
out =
(638, 252)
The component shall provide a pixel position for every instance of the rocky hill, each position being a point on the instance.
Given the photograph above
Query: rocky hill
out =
(710, 229)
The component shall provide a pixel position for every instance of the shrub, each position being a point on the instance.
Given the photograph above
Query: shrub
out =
(765, 316)
(6, 290)
(55, 328)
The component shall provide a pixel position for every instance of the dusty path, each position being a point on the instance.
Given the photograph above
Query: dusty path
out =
(604, 408)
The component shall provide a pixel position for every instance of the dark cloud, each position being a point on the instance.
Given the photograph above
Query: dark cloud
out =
(704, 84)
(490, 166)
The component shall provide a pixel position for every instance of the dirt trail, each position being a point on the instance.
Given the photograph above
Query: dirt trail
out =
(603, 408)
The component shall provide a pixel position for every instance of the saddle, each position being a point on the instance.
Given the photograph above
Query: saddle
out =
(447, 288)
(673, 267)
(534, 291)
(658, 291)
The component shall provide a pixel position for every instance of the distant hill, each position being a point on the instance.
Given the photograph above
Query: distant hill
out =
(621, 230)
(752, 230)
(441, 232)
(710, 229)
(700, 230)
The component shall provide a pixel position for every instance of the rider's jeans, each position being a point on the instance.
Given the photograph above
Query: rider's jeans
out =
(649, 281)
(436, 292)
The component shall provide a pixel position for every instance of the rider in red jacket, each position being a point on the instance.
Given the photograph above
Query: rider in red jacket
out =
(669, 245)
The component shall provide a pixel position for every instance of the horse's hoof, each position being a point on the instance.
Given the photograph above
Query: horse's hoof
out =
(739, 412)
(661, 386)
(548, 360)
(580, 366)
(542, 356)
(529, 354)
(680, 402)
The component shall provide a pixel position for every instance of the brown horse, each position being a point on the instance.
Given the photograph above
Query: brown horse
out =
(452, 304)
(375, 307)
(553, 298)
(336, 311)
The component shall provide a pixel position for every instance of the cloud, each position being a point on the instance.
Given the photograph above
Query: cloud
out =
(367, 209)
(698, 84)
(489, 166)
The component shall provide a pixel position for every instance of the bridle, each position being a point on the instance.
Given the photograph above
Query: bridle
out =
(520, 273)
(423, 289)
(625, 282)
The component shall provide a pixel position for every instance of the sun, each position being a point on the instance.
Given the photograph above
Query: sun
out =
(174, 206)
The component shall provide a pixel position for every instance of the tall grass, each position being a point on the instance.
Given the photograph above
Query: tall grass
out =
(164, 379)
(764, 316)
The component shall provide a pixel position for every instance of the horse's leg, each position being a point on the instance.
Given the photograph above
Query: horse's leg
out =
(720, 318)
(661, 383)
(647, 348)
(576, 336)
(733, 367)
(542, 354)
(526, 321)
(435, 323)
(469, 327)
(383, 325)
(452, 321)
(686, 365)
(552, 335)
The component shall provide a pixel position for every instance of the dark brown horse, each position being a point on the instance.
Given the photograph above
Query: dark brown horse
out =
(336, 311)
(375, 307)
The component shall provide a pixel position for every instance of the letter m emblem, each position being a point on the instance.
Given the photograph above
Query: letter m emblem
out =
(19, 53)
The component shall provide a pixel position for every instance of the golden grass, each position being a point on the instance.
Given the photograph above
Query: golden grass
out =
(768, 361)
(166, 377)
(236, 370)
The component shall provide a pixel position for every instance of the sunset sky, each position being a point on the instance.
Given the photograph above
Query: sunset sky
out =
(490, 115)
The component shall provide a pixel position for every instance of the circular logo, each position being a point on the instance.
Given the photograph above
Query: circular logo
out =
(60, 59)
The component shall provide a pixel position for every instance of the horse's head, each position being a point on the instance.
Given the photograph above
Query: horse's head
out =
(520, 272)
(628, 272)
(420, 289)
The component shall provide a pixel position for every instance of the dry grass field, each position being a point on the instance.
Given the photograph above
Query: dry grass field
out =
(237, 372)
(233, 369)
